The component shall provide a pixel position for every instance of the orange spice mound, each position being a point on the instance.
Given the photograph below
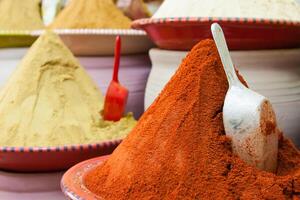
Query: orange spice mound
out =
(179, 150)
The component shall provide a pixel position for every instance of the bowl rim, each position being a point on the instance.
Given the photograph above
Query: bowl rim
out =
(138, 24)
(82, 31)
(93, 31)
(63, 148)
(80, 170)
(17, 33)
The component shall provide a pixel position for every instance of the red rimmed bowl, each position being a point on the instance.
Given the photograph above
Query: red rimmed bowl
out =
(72, 182)
(45, 159)
(241, 33)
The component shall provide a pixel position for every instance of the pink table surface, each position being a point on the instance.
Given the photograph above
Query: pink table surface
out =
(15, 186)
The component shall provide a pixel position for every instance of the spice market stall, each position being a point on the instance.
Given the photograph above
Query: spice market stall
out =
(91, 109)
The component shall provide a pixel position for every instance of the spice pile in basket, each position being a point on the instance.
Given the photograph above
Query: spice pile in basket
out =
(50, 100)
(20, 15)
(261, 9)
(81, 14)
(179, 150)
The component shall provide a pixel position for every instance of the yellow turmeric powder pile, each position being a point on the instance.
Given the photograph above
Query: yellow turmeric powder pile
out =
(50, 100)
(91, 14)
(20, 15)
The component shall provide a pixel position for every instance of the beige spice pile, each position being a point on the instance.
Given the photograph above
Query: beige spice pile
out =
(91, 14)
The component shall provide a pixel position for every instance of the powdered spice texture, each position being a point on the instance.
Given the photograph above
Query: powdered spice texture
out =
(20, 15)
(50, 100)
(80, 14)
(179, 150)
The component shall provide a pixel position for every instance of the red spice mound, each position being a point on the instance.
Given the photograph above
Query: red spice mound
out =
(179, 150)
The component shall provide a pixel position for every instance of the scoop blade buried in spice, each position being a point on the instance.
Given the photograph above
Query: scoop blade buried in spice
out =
(248, 117)
(116, 95)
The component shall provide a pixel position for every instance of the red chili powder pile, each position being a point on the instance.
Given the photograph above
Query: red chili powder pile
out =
(179, 150)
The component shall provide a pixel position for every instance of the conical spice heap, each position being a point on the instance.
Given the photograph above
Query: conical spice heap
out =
(50, 100)
(80, 14)
(20, 15)
(179, 150)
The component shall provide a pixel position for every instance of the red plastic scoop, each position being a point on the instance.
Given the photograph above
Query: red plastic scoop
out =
(116, 95)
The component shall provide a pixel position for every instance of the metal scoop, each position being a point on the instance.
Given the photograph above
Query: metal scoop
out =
(248, 117)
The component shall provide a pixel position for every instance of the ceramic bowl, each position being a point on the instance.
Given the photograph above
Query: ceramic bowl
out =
(16, 38)
(46, 159)
(273, 73)
(241, 33)
(72, 182)
(84, 42)
(100, 42)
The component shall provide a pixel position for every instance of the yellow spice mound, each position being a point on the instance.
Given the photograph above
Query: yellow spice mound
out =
(20, 15)
(91, 14)
(50, 100)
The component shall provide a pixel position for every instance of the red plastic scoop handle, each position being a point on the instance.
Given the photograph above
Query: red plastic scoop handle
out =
(117, 59)
(116, 95)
